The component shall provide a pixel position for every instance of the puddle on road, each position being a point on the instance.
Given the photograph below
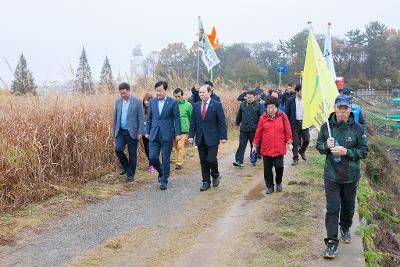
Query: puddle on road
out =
(256, 193)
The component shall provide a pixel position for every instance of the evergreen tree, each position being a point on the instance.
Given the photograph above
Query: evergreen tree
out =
(106, 78)
(83, 78)
(23, 81)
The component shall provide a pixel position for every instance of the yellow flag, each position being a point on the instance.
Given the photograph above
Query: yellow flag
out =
(318, 88)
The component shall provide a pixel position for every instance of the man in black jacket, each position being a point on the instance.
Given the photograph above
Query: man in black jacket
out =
(301, 137)
(196, 97)
(247, 117)
(242, 96)
(287, 94)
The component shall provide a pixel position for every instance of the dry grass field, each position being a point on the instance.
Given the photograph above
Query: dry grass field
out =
(48, 144)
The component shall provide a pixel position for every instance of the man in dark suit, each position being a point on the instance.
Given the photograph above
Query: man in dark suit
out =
(208, 127)
(128, 128)
(162, 126)
(301, 137)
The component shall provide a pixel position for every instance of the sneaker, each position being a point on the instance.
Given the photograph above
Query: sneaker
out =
(270, 190)
(331, 249)
(295, 162)
(238, 164)
(151, 169)
(279, 188)
(346, 236)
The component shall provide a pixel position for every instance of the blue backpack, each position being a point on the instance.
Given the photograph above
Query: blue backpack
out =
(356, 109)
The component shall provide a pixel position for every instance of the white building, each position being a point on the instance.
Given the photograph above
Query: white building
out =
(137, 67)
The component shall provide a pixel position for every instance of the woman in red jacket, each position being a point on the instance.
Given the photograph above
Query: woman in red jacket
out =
(275, 135)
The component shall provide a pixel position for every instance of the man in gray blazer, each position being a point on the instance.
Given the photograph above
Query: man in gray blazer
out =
(128, 128)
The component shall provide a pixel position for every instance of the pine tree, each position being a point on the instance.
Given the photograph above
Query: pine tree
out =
(83, 78)
(23, 81)
(106, 78)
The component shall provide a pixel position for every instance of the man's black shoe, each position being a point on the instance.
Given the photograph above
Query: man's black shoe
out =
(270, 190)
(215, 181)
(295, 162)
(178, 167)
(205, 186)
(130, 179)
(303, 156)
(163, 187)
(122, 171)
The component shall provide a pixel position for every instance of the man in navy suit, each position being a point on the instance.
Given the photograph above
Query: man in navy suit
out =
(162, 126)
(128, 127)
(208, 127)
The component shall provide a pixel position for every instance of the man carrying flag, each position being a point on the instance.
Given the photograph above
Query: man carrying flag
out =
(340, 138)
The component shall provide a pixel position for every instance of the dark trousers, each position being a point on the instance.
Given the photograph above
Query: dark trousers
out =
(208, 161)
(301, 138)
(146, 147)
(154, 151)
(270, 162)
(244, 137)
(122, 139)
(340, 199)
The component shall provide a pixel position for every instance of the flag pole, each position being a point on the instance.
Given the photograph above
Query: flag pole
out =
(318, 72)
(198, 56)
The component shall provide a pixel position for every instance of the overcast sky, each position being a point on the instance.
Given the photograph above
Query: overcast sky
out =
(51, 33)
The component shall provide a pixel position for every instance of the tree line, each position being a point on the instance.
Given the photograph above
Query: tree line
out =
(24, 83)
(365, 58)
(368, 57)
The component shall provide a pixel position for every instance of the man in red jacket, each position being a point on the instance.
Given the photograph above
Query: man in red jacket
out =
(275, 135)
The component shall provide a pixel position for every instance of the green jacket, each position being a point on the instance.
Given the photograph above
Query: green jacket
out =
(350, 135)
(185, 110)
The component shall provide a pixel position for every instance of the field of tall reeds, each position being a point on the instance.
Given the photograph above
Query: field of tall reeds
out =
(52, 143)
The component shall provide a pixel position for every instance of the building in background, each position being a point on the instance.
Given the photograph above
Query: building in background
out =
(137, 64)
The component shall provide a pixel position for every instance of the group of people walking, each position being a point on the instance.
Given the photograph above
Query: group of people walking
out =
(272, 126)
(271, 123)
(163, 122)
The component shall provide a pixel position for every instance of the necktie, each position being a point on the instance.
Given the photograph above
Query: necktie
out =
(203, 111)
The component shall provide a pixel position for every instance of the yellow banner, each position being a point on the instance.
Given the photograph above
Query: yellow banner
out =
(318, 88)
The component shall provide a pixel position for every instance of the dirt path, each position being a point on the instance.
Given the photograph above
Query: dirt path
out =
(235, 224)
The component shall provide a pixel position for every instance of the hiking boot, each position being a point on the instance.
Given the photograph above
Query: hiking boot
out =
(270, 190)
(331, 249)
(163, 187)
(346, 236)
(295, 162)
(279, 188)
(238, 164)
